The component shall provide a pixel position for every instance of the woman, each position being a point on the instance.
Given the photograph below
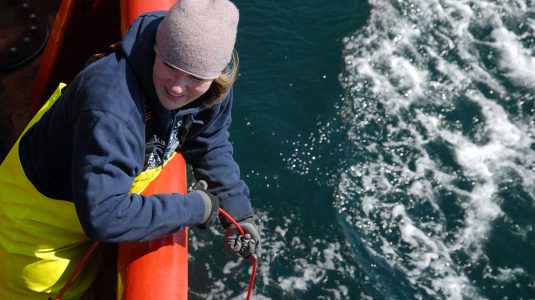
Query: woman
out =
(76, 172)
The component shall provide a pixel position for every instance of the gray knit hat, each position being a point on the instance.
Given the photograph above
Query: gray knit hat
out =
(198, 36)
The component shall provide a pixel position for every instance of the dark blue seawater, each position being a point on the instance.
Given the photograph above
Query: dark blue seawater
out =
(390, 149)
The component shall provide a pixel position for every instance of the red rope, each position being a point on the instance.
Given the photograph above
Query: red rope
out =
(77, 270)
(96, 243)
(252, 259)
(251, 281)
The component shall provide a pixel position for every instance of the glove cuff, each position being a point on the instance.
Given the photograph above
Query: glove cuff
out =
(226, 223)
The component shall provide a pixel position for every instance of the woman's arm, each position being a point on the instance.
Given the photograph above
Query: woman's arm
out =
(210, 153)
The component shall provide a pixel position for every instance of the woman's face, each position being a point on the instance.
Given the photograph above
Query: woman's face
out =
(174, 87)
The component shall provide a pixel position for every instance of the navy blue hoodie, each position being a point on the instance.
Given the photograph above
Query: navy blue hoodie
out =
(92, 143)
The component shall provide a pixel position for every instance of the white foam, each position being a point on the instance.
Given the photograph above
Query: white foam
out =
(387, 63)
(308, 273)
(517, 61)
(505, 274)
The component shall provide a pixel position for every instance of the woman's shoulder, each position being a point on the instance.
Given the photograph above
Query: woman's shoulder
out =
(107, 85)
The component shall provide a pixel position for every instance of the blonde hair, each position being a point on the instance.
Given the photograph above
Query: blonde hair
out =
(222, 84)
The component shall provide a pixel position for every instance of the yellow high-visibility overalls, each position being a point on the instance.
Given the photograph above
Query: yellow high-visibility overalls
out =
(41, 239)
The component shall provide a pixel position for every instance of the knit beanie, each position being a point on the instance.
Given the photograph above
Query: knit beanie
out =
(198, 36)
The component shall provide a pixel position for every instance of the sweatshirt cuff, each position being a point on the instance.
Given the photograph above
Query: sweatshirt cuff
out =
(207, 205)
(197, 201)
(238, 208)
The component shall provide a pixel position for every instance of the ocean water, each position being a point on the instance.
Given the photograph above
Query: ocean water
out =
(390, 149)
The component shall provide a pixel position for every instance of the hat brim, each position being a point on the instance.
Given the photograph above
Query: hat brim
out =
(167, 62)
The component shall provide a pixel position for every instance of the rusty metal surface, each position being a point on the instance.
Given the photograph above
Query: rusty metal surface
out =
(82, 28)
(24, 26)
(88, 27)
(16, 80)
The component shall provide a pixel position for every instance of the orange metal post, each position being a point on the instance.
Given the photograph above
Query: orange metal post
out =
(157, 269)
(130, 9)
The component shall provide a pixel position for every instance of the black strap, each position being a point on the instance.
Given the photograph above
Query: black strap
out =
(185, 129)
(110, 49)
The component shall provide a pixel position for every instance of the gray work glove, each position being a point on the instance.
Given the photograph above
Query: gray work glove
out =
(247, 245)
(211, 204)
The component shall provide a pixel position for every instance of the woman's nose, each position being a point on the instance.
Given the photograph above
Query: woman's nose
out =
(176, 88)
(178, 84)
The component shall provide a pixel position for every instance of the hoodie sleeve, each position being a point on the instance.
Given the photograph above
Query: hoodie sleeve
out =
(105, 160)
(210, 154)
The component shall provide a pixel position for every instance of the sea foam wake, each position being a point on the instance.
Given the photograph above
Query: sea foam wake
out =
(440, 117)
